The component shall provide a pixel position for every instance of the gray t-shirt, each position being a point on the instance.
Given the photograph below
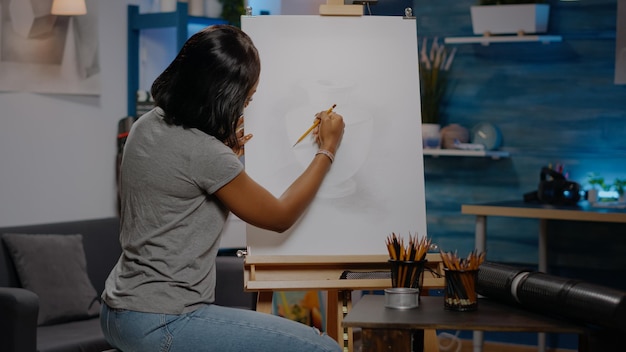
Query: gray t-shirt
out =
(170, 220)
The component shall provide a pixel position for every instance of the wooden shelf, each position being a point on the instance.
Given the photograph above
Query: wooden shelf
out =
(179, 19)
(486, 40)
(494, 154)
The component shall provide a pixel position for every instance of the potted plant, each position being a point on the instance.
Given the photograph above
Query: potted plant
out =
(510, 17)
(620, 186)
(435, 62)
(596, 183)
(232, 11)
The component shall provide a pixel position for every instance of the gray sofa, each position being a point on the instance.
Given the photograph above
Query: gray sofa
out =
(22, 326)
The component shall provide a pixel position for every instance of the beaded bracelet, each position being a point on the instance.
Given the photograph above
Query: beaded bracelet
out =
(330, 155)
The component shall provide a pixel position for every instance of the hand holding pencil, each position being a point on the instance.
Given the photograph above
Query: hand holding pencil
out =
(315, 124)
(327, 129)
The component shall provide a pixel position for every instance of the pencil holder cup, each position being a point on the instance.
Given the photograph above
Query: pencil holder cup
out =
(460, 291)
(406, 273)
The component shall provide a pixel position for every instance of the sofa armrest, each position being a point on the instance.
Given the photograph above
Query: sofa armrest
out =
(229, 288)
(18, 325)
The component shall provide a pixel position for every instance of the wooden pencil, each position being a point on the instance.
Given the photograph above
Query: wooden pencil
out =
(315, 124)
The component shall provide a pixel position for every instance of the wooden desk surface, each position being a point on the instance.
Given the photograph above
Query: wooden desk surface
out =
(370, 313)
(520, 209)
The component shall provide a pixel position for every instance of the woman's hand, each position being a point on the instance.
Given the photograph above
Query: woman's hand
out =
(242, 138)
(329, 132)
(255, 205)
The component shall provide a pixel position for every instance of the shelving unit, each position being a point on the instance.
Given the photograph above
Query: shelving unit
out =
(179, 19)
(486, 40)
(494, 154)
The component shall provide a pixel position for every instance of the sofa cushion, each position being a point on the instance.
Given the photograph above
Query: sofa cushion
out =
(83, 336)
(54, 267)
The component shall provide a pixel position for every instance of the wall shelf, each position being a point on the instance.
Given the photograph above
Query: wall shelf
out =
(494, 154)
(486, 40)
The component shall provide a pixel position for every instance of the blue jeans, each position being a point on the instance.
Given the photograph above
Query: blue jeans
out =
(210, 328)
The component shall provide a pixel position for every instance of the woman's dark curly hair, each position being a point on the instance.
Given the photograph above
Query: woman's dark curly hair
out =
(207, 84)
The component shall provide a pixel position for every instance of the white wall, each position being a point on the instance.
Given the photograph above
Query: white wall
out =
(57, 152)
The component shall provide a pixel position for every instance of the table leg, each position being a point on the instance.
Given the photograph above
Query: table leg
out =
(431, 342)
(543, 245)
(480, 243)
(480, 237)
(543, 267)
(541, 342)
(477, 341)
(584, 343)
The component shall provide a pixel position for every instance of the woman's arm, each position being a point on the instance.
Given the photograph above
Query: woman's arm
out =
(255, 205)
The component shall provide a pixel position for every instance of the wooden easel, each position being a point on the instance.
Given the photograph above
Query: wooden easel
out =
(271, 272)
(266, 274)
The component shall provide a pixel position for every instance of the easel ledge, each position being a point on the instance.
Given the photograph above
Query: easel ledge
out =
(307, 272)
(266, 274)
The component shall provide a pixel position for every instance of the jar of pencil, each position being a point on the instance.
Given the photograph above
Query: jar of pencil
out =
(460, 291)
(407, 261)
(460, 281)
(406, 273)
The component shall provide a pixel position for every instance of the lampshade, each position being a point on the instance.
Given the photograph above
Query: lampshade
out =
(68, 7)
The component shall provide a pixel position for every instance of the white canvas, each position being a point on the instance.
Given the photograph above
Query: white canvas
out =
(368, 66)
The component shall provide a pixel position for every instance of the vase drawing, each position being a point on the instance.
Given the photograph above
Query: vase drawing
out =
(357, 137)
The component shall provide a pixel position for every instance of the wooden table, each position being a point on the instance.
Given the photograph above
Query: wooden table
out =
(386, 329)
(543, 212)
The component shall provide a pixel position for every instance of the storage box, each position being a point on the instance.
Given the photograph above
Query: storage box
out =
(510, 19)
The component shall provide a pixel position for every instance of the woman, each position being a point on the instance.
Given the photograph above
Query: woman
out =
(180, 177)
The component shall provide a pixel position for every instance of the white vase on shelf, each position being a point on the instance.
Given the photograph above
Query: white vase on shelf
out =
(168, 5)
(592, 195)
(517, 19)
(213, 8)
(431, 136)
(196, 8)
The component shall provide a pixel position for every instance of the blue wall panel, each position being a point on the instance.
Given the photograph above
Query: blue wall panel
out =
(554, 103)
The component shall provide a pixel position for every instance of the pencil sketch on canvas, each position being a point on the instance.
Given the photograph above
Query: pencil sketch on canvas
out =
(367, 66)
